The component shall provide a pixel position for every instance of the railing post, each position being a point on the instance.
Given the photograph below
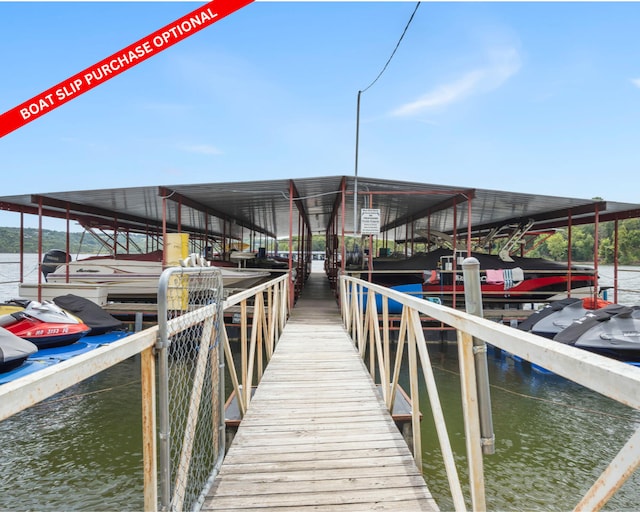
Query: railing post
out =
(164, 455)
(473, 306)
(414, 394)
(414, 329)
(471, 421)
(148, 382)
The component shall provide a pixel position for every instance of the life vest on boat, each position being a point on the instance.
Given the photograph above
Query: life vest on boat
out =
(591, 303)
(431, 277)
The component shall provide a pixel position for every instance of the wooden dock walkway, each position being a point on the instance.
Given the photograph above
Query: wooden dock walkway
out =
(316, 436)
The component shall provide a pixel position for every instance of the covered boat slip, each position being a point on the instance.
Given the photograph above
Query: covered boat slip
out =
(255, 215)
(316, 435)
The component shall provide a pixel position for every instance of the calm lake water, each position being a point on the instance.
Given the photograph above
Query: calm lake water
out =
(81, 450)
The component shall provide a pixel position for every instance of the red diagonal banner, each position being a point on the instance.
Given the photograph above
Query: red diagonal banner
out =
(115, 64)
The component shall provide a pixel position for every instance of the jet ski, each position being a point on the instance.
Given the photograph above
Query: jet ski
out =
(560, 314)
(43, 323)
(89, 313)
(13, 350)
(612, 331)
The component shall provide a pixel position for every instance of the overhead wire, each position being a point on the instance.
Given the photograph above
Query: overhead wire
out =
(355, 182)
(394, 50)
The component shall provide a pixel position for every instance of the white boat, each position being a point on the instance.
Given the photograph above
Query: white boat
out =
(129, 276)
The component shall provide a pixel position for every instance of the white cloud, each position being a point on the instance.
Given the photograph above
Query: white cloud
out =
(203, 149)
(636, 82)
(503, 64)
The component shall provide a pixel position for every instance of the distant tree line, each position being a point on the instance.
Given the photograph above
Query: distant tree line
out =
(10, 241)
(554, 247)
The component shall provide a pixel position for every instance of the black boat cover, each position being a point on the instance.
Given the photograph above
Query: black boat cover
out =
(90, 313)
(431, 260)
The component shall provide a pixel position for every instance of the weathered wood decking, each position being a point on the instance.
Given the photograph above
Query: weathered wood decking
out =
(316, 437)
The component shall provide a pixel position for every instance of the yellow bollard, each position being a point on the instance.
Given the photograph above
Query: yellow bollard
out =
(177, 249)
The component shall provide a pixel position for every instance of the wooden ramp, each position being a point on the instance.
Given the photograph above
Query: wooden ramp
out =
(316, 437)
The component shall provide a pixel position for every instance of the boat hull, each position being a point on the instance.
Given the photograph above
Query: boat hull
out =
(523, 280)
(137, 279)
(535, 289)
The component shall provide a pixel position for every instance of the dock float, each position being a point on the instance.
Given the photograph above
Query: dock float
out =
(316, 435)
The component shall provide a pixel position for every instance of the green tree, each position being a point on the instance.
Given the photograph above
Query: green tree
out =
(557, 246)
(629, 244)
(582, 243)
(606, 250)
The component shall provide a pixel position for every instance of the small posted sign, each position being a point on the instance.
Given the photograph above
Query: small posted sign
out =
(370, 221)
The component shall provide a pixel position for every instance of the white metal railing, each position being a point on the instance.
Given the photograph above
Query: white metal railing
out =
(370, 332)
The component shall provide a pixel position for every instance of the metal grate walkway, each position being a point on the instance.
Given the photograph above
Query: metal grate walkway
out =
(316, 436)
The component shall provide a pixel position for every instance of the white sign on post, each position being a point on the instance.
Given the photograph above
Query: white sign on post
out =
(370, 221)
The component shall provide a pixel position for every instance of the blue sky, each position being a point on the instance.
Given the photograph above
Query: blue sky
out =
(525, 97)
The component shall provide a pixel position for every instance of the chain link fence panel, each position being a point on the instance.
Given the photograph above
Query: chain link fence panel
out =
(190, 385)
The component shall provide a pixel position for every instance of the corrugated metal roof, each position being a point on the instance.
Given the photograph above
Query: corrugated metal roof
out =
(232, 207)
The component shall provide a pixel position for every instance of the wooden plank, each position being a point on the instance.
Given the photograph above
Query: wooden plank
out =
(354, 447)
(267, 404)
(316, 434)
(404, 505)
(324, 466)
(313, 485)
(360, 420)
(263, 456)
(256, 439)
(299, 498)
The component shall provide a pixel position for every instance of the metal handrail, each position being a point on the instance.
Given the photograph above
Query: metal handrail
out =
(611, 378)
(264, 332)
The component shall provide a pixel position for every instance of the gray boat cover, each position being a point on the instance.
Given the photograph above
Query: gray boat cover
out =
(570, 335)
(549, 309)
(13, 349)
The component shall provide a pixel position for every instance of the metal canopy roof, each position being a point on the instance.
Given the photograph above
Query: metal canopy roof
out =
(264, 206)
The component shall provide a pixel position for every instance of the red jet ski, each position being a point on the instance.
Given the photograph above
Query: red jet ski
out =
(43, 323)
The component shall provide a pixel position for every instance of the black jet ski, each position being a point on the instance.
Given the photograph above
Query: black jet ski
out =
(560, 314)
(554, 317)
(613, 331)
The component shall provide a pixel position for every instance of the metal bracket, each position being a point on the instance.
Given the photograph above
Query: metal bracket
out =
(488, 445)
(488, 441)
(480, 349)
(162, 345)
